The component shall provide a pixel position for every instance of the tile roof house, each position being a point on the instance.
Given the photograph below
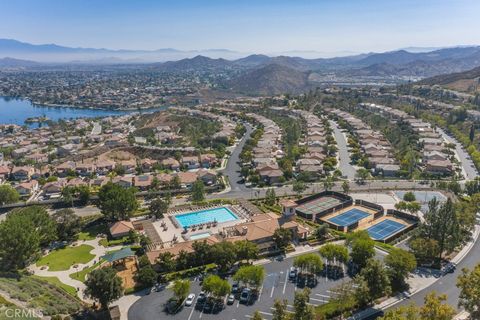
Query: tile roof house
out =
(187, 178)
(171, 163)
(121, 229)
(143, 182)
(27, 188)
(22, 173)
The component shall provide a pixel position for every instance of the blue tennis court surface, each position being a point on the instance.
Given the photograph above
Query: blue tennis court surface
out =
(384, 229)
(349, 217)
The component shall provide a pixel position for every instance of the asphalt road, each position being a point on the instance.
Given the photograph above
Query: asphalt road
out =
(467, 163)
(276, 285)
(232, 170)
(344, 157)
(447, 284)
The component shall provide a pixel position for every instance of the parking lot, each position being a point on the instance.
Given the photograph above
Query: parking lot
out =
(276, 285)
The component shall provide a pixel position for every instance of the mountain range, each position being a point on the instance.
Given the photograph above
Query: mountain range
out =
(255, 73)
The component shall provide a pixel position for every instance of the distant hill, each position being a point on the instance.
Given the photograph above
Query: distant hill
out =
(467, 81)
(269, 80)
(16, 63)
(198, 63)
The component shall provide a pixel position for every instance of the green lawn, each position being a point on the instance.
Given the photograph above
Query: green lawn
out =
(63, 259)
(91, 233)
(56, 282)
(82, 274)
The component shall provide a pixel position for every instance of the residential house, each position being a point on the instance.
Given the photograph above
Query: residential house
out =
(208, 160)
(191, 162)
(22, 173)
(171, 163)
(27, 188)
(187, 179)
(143, 182)
(208, 177)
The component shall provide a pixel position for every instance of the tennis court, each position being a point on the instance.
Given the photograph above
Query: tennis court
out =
(385, 229)
(349, 217)
(318, 205)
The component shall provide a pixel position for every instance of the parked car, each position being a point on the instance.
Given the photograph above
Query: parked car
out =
(245, 295)
(235, 287)
(190, 299)
(230, 299)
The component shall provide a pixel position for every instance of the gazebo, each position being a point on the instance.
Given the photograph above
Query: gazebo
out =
(124, 261)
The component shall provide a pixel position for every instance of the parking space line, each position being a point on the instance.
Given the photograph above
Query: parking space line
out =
(273, 289)
(191, 312)
(260, 292)
(272, 308)
(319, 300)
(285, 284)
(266, 313)
(322, 295)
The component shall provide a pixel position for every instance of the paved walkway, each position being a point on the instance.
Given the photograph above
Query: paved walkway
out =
(64, 276)
(421, 279)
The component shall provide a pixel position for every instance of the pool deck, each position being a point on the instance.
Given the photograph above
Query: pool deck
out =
(172, 230)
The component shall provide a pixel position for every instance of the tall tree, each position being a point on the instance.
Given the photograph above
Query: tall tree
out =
(158, 207)
(400, 263)
(362, 248)
(250, 276)
(68, 224)
(375, 276)
(469, 284)
(246, 250)
(282, 237)
(270, 197)
(8, 194)
(19, 241)
(216, 286)
(117, 203)
(198, 191)
(303, 310)
(104, 286)
(180, 289)
(280, 310)
(346, 186)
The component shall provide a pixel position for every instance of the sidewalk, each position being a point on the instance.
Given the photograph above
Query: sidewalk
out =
(64, 276)
(423, 278)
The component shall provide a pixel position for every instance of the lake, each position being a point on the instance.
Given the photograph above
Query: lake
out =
(15, 111)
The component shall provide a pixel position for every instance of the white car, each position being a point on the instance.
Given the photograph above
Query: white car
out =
(190, 299)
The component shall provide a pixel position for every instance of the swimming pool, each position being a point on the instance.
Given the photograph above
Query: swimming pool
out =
(198, 236)
(221, 214)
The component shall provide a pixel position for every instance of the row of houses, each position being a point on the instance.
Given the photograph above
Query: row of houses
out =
(315, 142)
(435, 156)
(143, 182)
(372, 143)
(268, 150)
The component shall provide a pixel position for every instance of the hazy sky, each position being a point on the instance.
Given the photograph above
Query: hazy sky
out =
(261, 26)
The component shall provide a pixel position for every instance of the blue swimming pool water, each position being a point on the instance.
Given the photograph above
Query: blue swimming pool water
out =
(200, 235)
(219, 215)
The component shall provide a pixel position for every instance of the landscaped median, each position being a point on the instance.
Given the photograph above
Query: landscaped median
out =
(64, 258)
